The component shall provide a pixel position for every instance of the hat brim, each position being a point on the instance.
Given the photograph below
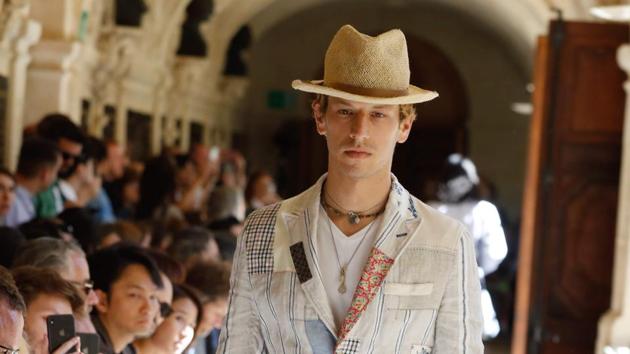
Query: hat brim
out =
(414, 94)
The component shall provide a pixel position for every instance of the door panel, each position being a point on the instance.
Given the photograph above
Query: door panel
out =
(576, 164)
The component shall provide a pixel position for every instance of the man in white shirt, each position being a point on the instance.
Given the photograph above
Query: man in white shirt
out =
(37, 169)
(356, 264)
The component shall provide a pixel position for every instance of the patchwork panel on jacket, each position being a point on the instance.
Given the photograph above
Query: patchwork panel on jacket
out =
(348, 346)
(260, 230)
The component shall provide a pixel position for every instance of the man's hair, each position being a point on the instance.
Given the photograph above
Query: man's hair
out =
(406, 110)
(36, 154)
(108, 264)
(32, 282)
(212, 279)
(188, 243)
(9, 292)
(56, 126)
(47, 252)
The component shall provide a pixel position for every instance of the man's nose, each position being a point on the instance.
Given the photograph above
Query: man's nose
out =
(360, 126)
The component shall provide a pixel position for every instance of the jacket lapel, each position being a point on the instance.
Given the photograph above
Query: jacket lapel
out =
(300, 223)
(400, 223)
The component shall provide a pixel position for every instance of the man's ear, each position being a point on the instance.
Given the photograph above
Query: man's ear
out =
(102, 304)
(320, 123)
(404, 129)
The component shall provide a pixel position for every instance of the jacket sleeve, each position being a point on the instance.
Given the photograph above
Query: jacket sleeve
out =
(459, 322)
(241, 332)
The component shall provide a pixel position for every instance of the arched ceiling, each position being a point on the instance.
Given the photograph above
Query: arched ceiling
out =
(518, 23)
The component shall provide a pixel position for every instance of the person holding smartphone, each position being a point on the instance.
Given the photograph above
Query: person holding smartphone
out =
(46, 293)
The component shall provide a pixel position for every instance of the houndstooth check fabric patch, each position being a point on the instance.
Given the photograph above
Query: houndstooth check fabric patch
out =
(348, 346)
(300, 263)
(259, 230)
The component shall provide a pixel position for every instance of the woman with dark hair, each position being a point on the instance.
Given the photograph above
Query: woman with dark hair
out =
(125, 193)
(177, 330)
(157, 190)
(459, 198)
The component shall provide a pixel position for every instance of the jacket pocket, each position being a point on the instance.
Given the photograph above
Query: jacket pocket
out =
(403, 289)
(401, 296)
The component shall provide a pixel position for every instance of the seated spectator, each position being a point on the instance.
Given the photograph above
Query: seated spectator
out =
(177, 331)
(194, 245)
(260, 191)
(171, 272)
(37, 168)
(126, 281)
(12, 310)
(45, 293)
(212, 279)
(7, 193)
(68, 260)
(110, 164)
(157, 191)
(10, 241)
(69, 139)
(226, 213)
(125, 193)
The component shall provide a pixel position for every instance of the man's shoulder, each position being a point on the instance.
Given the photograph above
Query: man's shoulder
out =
(437, 230)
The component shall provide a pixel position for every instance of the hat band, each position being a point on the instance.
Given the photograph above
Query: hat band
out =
(364, 91)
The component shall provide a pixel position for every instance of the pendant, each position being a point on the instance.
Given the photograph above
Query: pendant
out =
(342, 280)
(353, 218)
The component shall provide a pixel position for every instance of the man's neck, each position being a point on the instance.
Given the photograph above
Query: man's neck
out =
(357, 194)
(30, 185)
(119, 339)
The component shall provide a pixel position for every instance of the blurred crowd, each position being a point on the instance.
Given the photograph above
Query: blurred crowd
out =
(138, 252)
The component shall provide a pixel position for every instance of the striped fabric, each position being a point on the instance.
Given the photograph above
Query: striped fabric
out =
(277, 303)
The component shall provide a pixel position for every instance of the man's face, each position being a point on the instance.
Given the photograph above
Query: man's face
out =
(70, 151)
(116, 161)
(361, 137)
(131, 305)
(35, 330)
(7, 193)
(11, 326)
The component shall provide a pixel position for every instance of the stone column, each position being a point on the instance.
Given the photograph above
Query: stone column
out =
(53, 76)
(614, 326)
(16, 37)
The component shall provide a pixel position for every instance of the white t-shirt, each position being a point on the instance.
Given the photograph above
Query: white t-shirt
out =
(346, 245)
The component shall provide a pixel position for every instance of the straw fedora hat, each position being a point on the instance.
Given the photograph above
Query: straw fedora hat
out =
(361, 68)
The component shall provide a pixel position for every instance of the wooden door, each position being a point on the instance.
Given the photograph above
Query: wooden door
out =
(570, 200)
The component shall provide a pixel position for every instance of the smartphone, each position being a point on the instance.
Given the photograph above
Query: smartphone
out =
(60, 330)
(89, 343)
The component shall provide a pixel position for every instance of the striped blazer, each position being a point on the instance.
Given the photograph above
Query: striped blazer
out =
(419, 291)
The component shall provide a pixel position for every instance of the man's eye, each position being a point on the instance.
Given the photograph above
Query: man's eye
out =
(344, 112)
(378, 115)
